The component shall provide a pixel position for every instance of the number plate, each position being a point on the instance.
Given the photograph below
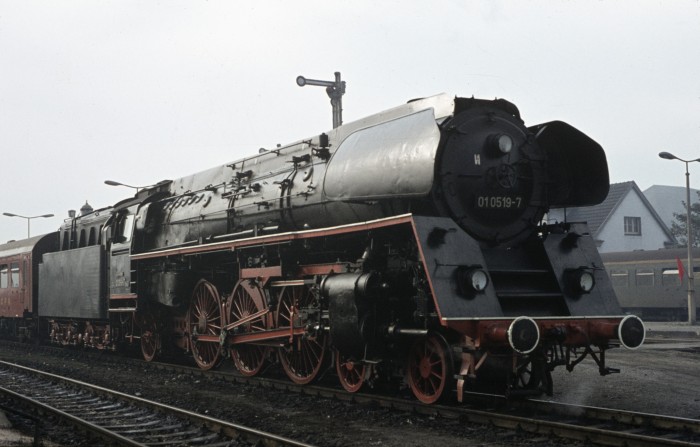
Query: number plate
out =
(500, 202)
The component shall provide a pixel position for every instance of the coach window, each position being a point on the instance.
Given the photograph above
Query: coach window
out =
(14, 270)
(633, 226)
(3, 276)
(619, 278)
(670, 277)
(645, 277)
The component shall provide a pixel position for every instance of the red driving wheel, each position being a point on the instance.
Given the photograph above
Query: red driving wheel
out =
(248, 299)
(150, 339)
(429, 368)
(351, 373)
(204, 322)
(303, 355)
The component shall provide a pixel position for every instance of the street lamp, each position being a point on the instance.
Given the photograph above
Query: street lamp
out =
(334, 89)
(113, 183)
(29, 218)
(691, 281)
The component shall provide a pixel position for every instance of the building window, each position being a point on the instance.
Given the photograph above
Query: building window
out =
(633, 225)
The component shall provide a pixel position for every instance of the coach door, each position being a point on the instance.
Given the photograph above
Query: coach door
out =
(15, 296)
(19, 275)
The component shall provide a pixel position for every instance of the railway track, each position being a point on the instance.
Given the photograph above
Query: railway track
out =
(594, 425)
(599, 426)
(121, 419)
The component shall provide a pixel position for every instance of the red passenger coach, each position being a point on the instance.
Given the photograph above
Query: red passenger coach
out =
(19, 264)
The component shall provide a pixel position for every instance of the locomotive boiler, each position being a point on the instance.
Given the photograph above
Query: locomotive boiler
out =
(407, 246)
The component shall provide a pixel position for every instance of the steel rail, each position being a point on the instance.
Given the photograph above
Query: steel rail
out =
(659, 421)
(103, 433)
(564, 420)
(225, 428)
(602, 426)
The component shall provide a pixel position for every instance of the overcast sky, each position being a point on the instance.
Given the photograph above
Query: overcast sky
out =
(141, 91)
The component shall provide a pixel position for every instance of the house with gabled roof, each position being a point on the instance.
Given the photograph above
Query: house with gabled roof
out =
(624, 221)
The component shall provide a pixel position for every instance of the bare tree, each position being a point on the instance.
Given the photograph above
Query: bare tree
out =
(679, 226)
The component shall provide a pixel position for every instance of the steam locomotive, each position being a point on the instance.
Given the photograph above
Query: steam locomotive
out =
(408, 246)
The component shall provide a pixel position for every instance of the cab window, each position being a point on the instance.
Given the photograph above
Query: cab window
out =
(125, 225)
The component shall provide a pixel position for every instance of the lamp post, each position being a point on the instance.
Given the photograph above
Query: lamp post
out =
(334, 89)
(29, 218)
(691, 281)
(113, 183)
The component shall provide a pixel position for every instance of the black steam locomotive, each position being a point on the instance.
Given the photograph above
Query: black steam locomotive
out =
(405, 246)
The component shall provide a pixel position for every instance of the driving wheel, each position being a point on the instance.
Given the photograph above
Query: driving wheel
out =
(303, 355)
(248, 300)
(352, 373)
(204, 321)
(429, 368)
(150, 339)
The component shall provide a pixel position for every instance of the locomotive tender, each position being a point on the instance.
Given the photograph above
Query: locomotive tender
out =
(407, 245)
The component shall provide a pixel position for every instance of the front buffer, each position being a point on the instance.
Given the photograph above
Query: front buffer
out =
(514, 314)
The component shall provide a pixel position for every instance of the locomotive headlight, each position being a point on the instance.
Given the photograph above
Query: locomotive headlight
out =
(502, 143)
(581, 280)
(472, 280)
(586, 281)
(478, 279)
